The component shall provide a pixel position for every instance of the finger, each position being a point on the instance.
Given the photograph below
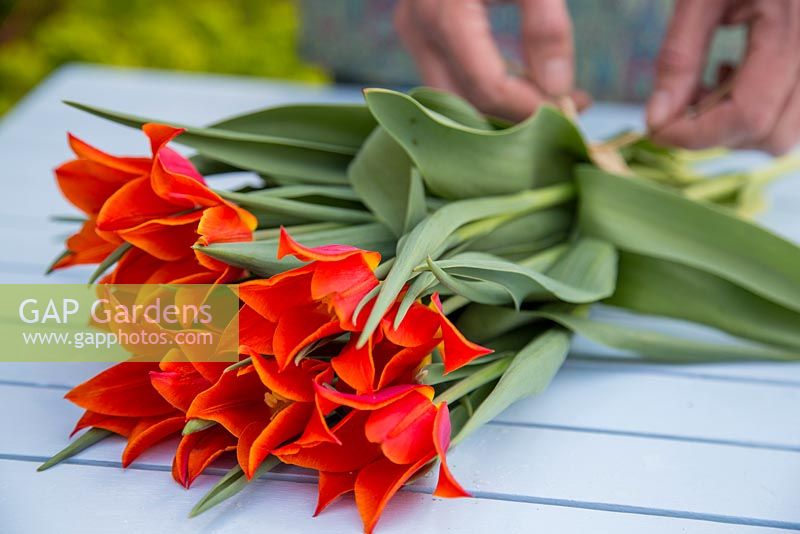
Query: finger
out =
(770, 70)
(547, 45)
(477, 65)
(786, 134)
(581, 98)
(762, 86)
(682, 58)
(410, 20)
(715, 127)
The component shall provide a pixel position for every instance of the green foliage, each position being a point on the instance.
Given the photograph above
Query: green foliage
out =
(253, 37)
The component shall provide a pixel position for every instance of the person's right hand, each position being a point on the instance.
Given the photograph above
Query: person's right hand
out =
(452, 44)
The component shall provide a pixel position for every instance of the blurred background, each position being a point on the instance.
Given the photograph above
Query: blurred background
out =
(252, 37)
(309, 40)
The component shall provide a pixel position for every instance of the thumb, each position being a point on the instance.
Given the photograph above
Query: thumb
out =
(547, 45)
(682, 58)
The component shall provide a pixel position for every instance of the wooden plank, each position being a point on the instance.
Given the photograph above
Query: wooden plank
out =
(681, 407)
(598, 398)
(509, 462)
(87, 499)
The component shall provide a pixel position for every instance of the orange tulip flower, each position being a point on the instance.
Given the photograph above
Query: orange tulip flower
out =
(122, 400)
(257, 408)
(294, 309)
(387, 438)
(159, 205)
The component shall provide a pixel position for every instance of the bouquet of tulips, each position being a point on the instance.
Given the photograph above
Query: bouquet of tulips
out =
(406, 269)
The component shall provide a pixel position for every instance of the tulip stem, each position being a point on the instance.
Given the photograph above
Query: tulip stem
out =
(383, 269)
(298, 229)
(485, 375)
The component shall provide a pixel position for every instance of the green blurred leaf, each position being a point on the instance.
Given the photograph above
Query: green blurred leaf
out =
(416, 206)
(430, 237)
(89, 438)
(312, 161)
(479, 376)
(229, 485)
(524, 235)
(381, 175)
(653, 345)
(661, 287)
(304, 191)
(302, 211)
(196, 425)
(110, 260)
(481, 323)
(458, 161)
(451, 106)
(650, 220)
(478, 289)
(586, 272)
(344, 126)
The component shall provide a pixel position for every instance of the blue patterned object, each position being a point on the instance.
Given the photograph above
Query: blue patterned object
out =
(616, 43)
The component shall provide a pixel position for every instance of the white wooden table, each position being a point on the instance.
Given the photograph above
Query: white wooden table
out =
(610, 447)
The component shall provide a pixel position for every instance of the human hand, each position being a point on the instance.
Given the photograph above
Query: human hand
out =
(452, 44)
(762, 109)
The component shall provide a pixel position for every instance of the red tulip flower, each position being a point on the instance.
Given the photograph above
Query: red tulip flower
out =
(160, 206)
(385, 439)
(122, 400)
(290, 311)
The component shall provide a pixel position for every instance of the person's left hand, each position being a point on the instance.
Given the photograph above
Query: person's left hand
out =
(763, 108)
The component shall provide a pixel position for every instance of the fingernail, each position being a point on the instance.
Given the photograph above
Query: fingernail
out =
(556, 77)
(658, 110)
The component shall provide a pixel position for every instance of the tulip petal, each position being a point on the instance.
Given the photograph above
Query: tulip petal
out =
(160, 135)
(288, 246)
(402, 366)
(226, 224)
(356, 367)
(179, 388)
(418, 327)
(351, 273)
(377, 483)
(256, 332)
(331, 487)
(271, 298)
(199, 450)
(135, 267)
(403, 428)
(113, 423)
(123, 390)
(134, 166)
(132, 204)
(167, 239)
(294, 383)
(285, 425)
(447, 485)
(317, 430)
(456, 350)
(211, 371)
(148, 433)
(88, 184)
(235, 401)
(353, 451)
(86, 247)
(299, 328)
(372, 401)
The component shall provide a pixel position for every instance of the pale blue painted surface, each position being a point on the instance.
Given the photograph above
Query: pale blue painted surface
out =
(610, 447)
